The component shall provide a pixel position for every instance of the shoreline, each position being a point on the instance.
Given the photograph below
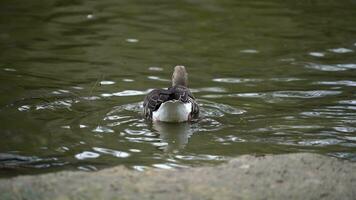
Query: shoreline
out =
(296, 176)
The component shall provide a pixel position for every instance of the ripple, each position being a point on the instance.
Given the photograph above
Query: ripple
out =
(91, 98)
(209, 89)
(128, 80)
(344, 155)
(347, 66)
(133, 107)
(59, 104)
(344, 82)
(102, 129)
(24, 108)
(142, 139)
(341, 50)
(9, 69)
(135, 150)
(163, 166)
(158, 78)
(229, 138)
(350, 102)
(235, 80)
(317, 54)
(86, 155)
(155, 68)
(288, 79)
(132, 40)
(118, 123)
(88, 168)
(136, 132)
(115, 117)
(249, 51)
(140, 168)
(200, 157)
(321, 67)
(212, 109)
(115, 153)
(77, 88)
(345, 129)
(207, 124)
(90, 16)
(106, 95)
(323, 142)
(107, 82)
(305, 94)
(249, 95)
(130, 93)
(13, 159)
(332, 112)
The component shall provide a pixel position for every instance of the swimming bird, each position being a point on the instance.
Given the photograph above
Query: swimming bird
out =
(175, 104)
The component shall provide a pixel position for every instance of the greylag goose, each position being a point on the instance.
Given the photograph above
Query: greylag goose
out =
(175, 104)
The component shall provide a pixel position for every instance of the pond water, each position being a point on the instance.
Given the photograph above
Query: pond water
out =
(271, 77)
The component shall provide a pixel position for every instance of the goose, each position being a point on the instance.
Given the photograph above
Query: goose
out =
(175, 104)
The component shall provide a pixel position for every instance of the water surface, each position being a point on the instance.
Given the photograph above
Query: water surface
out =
(272, 77)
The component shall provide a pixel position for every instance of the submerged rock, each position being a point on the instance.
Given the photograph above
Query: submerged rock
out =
(290, 176)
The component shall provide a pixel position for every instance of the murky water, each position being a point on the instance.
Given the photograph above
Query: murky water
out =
(271, 77)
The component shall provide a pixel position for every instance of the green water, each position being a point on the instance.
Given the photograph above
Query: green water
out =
(272, 77)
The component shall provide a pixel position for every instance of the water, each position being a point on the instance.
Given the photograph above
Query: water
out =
(272, 77)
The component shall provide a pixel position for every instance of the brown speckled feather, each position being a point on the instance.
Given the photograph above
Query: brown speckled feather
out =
(156, 97)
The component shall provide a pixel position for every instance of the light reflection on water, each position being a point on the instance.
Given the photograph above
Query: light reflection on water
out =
(73, 77)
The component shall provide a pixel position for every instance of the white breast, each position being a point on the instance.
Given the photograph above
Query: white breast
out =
(172, 111)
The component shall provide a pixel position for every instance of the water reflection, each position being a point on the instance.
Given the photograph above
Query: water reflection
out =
(176, 136)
